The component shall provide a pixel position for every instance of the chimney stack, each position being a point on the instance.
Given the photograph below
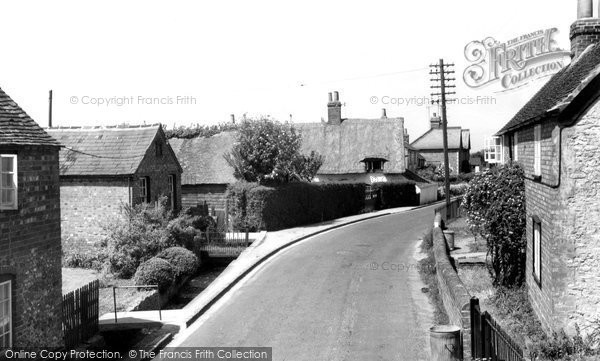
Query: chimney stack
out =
(383, 114)
(334, 109)
(585, 31)
(50, 110)
(436, 122)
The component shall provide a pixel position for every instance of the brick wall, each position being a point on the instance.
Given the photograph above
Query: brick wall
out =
(454, 294)
(583, 33)
(30, 249)
(212, 194)
(158, 169)
(87, 206)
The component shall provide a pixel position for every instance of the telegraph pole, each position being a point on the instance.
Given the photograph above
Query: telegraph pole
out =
(438, 73)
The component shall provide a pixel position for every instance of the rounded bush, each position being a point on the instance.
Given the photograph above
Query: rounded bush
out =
(155, 271)
(184, 261)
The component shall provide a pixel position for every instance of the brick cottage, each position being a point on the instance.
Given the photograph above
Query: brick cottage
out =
(30, 247)
(103, 168)
(431, 146)
(556, 137)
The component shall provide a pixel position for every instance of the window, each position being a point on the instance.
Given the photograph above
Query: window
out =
(537, 156)
(537, 250)
(159, 149)
(145, 189)
(5, 315)
(374, 165)
(493, 150)
(8, 181)
(516, 147)
(172, 190)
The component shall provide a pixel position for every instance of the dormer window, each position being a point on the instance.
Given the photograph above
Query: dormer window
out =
(374, 165)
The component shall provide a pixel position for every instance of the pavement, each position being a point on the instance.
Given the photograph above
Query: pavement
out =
(352, 293)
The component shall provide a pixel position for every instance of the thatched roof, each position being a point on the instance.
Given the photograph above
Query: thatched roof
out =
(345, 146)
(202, 159)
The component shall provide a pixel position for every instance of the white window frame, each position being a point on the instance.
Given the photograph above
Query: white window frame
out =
(15, 174)
(10, 320)
(494, 150)
(537, 251)
(537, 151)
(516, 147)
(172, 184)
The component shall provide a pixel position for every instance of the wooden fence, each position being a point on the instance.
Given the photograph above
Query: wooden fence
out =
(489, 340)
(80, 310)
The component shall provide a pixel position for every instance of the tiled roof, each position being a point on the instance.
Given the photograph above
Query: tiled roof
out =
(103, 150)
(17, 128)
(433, 139)
(559, 91)
(202, 159)
(344, 146)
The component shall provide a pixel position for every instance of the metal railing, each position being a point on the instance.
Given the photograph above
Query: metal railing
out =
(142, 286)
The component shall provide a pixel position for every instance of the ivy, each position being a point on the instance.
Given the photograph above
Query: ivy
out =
(495, 208)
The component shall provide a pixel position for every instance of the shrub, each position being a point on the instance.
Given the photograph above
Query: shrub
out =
(184, 261)
(495, 208)
(267, 150)
(155, 271)
(455, 190)
(560, 346)
(137, 235)
(89, 260)
(237, 195)
(198, 130)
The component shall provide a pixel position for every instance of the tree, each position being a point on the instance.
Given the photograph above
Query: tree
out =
(495, 208)
(267, 150)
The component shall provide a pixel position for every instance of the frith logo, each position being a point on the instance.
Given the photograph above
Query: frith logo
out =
(514, 63)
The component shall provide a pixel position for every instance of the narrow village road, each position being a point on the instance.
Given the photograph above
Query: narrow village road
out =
(349, 294)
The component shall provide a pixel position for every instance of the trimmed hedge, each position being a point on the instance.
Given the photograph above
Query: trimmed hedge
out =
(155, 271)
(184, 261)
(399, 194)
(293, 204)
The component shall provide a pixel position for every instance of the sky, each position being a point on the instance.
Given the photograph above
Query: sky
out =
(192, 62)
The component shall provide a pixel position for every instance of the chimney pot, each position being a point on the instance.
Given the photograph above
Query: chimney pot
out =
(233, 118)
(584, 9)
(383, 113)
(334, 110)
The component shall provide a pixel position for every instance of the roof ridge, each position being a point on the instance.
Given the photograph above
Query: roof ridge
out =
(104, 127)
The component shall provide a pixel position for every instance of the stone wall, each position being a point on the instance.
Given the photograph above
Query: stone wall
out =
(576, 245)
(30, 249)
